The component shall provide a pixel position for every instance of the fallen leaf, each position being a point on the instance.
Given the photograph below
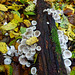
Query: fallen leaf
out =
(22, 30)
(27, 23)
(3, 47)
(3, 8)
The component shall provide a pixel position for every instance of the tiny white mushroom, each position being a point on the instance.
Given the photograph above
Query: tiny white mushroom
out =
(62, 49)
(22, 60)
(33, 52)
(34, 27)
(33, 47)
(67, 62)
(64, 46)
(49, 12)
(66, 38)
(62, 41)
(68, 70)
(67, 54)
(56, 17)
(28, 64)
(44, 10)
(16, 53)
(33, 70)
(34, 22)
(7, 61)
(29, 32)
(26, 49)
(20, 47)
(38, 48)
(60, 33)
(28, 55)
(23, 41)
(37, 33)
(52, 10)
(9, 52)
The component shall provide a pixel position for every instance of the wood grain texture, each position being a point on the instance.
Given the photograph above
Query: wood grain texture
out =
(48, 63)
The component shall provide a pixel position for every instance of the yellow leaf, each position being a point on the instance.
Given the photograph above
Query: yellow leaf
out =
(16, 29)
(9, 26)
(13, 34)
(3, 8)
(18, 18)
(15, 6)
(3, 47)
(2, 68)
(31, 40)
(27, 23)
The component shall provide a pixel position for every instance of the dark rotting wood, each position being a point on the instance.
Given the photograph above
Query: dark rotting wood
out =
(47, 63)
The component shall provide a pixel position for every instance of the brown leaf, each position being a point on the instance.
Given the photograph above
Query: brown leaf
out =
(16, 46)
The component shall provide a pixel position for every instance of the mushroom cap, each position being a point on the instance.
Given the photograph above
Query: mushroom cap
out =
(66, 38)
(7, 61)
(33, 70)
(34, 22)
(67, 62)
(26, 49)
(20, 47)
(67, 54)
(22, 60)
(37, 33)
(28, 55)
(23, 41)
(38, 48)
(28, 64)
(68, 70)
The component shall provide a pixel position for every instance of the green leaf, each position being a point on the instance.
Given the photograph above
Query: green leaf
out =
(22, 29)
(64, 22)
(16, 12)
(36, 55)
(13, 41)
(23, 1)
(29, 13)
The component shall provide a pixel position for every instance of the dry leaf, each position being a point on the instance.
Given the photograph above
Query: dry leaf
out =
(3, 8)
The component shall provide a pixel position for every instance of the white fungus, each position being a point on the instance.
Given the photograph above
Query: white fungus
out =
(28, 64)
(37, 33)
(68, 69)
(38, 48)
(26, 49)
(33, 70)
(34, 22)
(7, 61)
(28, 55)
(67, 62)
(22, 60)
(67, 54)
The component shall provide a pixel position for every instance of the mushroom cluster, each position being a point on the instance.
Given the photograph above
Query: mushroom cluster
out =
(55, 14)
(66, 54)
(27, 48)
(28, 45)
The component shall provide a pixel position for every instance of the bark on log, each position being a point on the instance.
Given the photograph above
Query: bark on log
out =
(48, 63)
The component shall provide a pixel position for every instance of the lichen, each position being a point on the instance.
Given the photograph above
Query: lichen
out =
(55, 39)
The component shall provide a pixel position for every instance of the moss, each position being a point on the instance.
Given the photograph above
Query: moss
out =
(56, 40)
